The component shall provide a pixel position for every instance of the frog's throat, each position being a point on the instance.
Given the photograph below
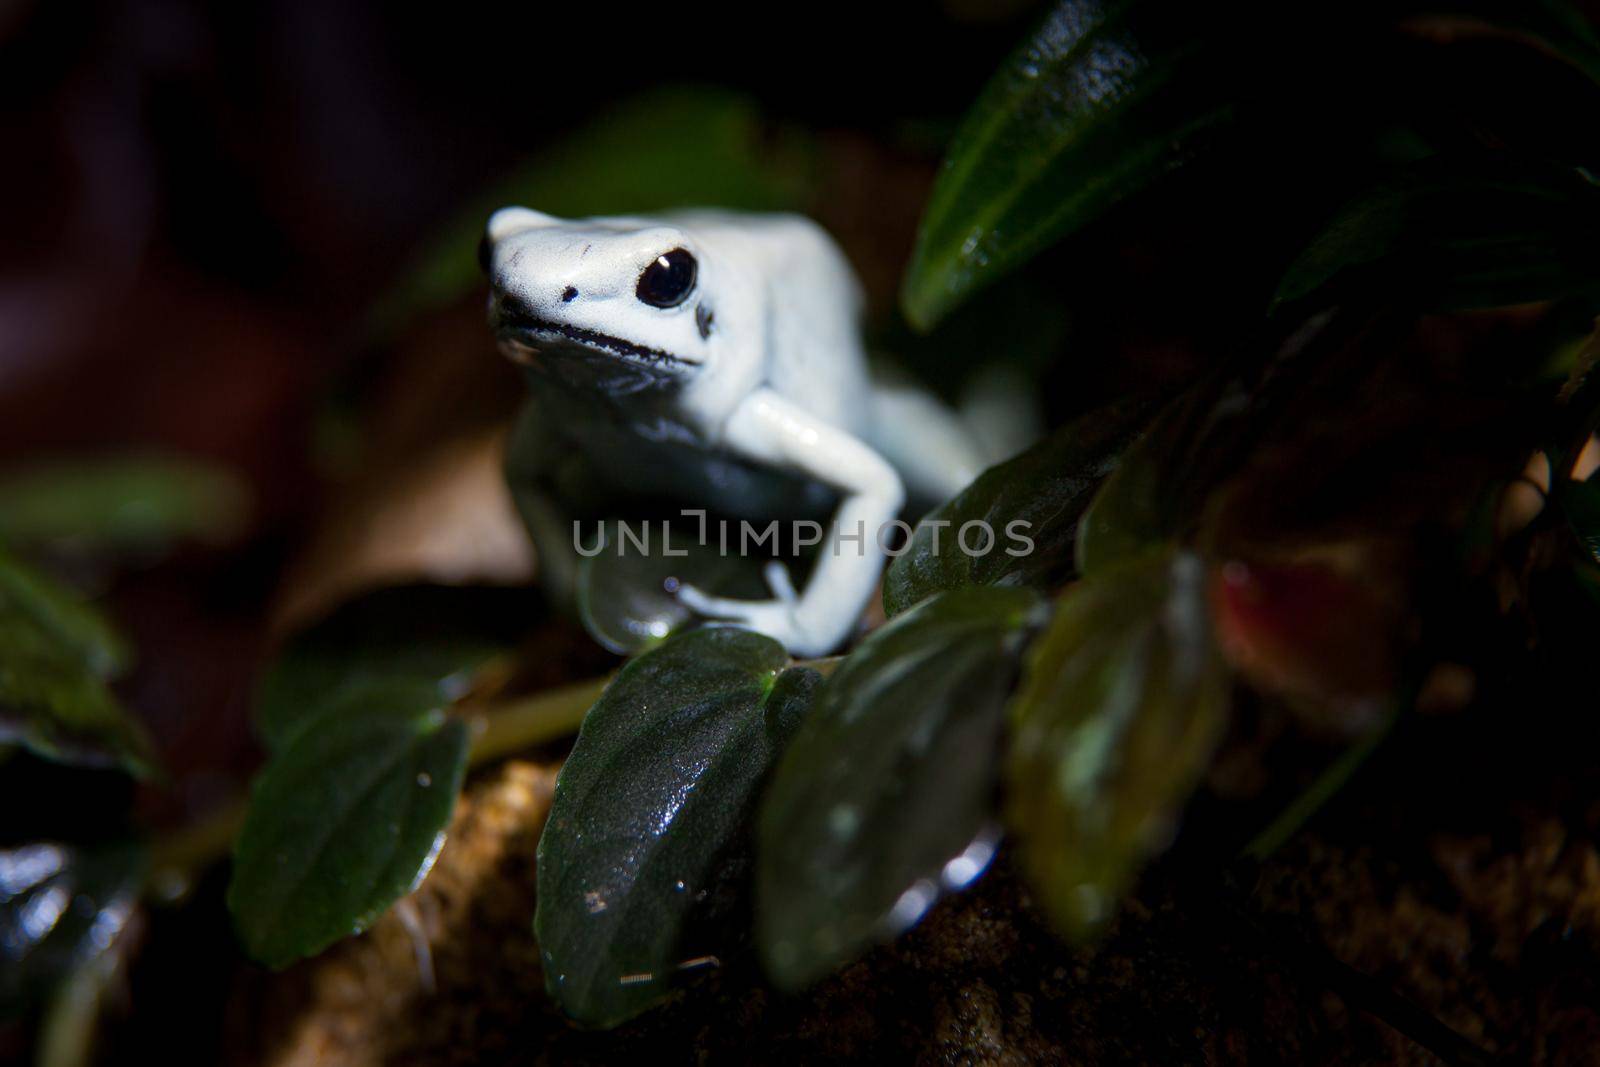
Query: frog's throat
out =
(527, 329)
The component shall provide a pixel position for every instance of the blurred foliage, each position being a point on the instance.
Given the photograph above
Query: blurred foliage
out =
(137, 506)
(1154, 494)
(61, 907)
(672, 148)
(57, 659)
(1124, 700)
(1461, 232)
(58, 655)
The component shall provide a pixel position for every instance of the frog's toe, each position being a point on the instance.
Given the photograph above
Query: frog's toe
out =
(703, 603)
(780, 583)
(774, 618)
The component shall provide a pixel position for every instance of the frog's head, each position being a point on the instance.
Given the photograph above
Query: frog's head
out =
(615, 300)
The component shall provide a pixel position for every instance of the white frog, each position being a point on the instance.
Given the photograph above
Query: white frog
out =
(714, 357)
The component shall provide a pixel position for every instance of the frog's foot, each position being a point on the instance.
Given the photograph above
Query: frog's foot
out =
(779, 618)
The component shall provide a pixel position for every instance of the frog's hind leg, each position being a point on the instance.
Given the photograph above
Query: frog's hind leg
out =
(1000, 408)
(935, 452)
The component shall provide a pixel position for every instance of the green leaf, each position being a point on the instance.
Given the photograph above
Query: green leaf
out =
(120, 505)
(1458, 233)
(1099, 102)
(61, 907)
(1124, 701)
(627, 597)
(56, 657)
(345, 819)
(1107, 96)
(650, 813)
(672, 148)
(1158, 484)
(1045, 490)
(438, 635)
(365, 761)
(886, 797)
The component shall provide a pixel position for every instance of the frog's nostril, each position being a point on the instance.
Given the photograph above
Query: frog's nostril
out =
(569, 295)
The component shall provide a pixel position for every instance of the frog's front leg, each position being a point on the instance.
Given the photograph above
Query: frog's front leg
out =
(768, 429)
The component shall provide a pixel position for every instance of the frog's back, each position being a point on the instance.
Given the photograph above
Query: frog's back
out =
(814, 353)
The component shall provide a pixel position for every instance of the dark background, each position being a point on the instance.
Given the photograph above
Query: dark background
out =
(203, 202)
(199, 205)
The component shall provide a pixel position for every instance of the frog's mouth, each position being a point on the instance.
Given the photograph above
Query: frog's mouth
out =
(526, 334)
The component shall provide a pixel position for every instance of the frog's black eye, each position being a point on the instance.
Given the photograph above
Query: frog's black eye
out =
(668, 279)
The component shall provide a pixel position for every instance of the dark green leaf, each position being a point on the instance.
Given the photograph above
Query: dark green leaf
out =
(1045, 490)
(1109, 95)
(345, 819)
(120, 505)
(1123, 703)
(60, 908)
(60, 618)
(627, 596)
(1157, 486)
(667, 149)
(886, 797)
(1099, 102)
(1451, 233)
(56, 658)
(435, 634)
(650, 811)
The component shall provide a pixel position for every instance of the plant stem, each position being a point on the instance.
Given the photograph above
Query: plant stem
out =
(500, 730)
(70, 1025)
(176, 858)
(1307, 804)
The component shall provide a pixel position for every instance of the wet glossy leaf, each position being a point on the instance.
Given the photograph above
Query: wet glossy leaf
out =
(651, 815)
(666, 149)
(1124, 700)
(57, 656)
(627, 594)
(886, 797)
(60, 908)
(1452, 233)
(439, 635)
(136, 505)
(346, 818)
(1100, 101)
(1031, 504)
